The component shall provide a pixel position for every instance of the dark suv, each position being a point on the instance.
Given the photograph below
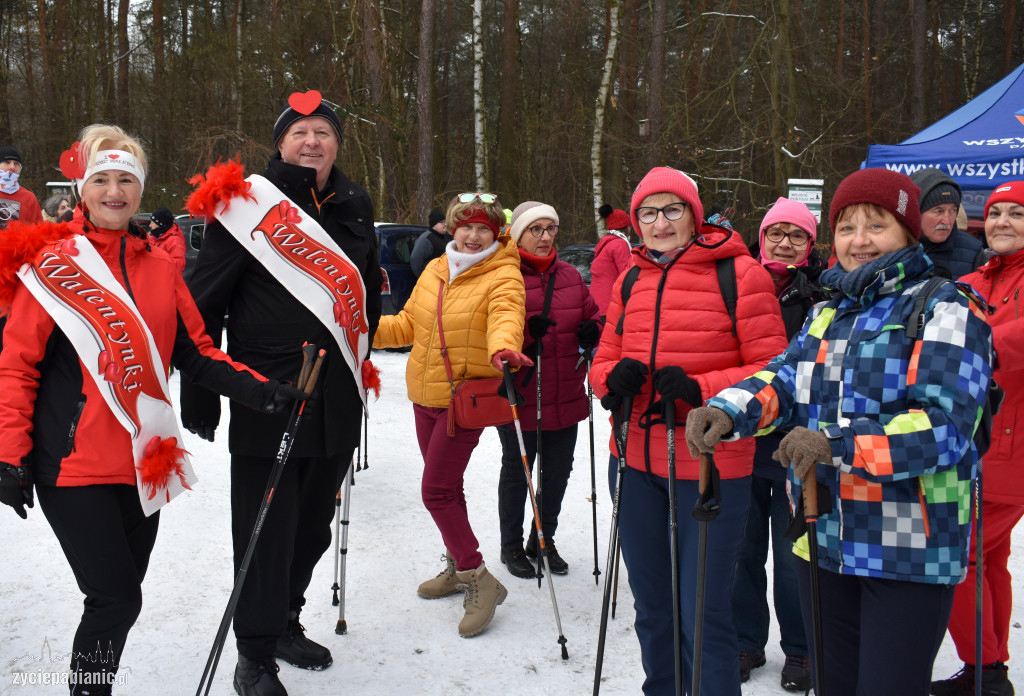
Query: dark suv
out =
(395, 243)
(192, 228)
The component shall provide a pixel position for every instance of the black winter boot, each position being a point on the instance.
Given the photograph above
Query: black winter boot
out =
(518, 564)
(994, 682)
(258, 677)
(557, 563)
(296, 649)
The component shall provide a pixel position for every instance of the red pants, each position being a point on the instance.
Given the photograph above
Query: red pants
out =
(998, 520)
(444, 462)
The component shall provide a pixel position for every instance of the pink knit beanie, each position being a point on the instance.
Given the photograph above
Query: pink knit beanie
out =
(795, 213)
(667, 180)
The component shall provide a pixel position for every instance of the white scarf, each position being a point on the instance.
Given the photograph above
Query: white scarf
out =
(459, 262)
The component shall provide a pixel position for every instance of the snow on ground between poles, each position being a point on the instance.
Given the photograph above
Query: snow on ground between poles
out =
(397, 643)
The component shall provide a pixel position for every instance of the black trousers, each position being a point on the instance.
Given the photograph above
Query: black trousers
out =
(880, 636)
(557, 457)
(295, 534)
(107, 541)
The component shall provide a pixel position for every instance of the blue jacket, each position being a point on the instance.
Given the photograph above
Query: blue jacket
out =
(900, 415)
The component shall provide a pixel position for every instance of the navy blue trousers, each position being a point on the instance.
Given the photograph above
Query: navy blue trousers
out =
(644, 531)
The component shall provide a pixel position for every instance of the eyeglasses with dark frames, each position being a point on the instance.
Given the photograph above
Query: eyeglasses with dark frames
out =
(797, 238)
(538, 231)
(649, 214)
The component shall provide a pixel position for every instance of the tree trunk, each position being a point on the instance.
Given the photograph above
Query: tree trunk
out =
(479, 144)
(655, 101)
(508, 164)
(596, 173)
(919, 28)
(424, 112)
(373, 39)
(122, 107)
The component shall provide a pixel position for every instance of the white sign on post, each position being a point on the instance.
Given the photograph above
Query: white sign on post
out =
(808, 192)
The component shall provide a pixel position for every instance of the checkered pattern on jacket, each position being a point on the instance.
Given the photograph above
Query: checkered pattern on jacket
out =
(900, 415)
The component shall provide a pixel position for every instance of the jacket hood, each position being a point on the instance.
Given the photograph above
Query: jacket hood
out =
(609, 238)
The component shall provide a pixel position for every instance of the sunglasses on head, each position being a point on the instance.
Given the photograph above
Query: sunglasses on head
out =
(484, 197)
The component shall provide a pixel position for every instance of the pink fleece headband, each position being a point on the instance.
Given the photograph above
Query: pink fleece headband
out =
(795, 213)
(667, 180)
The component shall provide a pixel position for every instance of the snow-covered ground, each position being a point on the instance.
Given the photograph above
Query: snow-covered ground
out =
(397, 643)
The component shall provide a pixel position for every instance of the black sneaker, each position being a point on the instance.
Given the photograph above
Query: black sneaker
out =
(296, 649)
(557, 563)
(258, 678)
(748, 661)
(518, 564)
(796, 673)
(994, 682)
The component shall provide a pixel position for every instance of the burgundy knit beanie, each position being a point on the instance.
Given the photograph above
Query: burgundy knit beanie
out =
(1010, 192)
(887, 189)
(667, 180)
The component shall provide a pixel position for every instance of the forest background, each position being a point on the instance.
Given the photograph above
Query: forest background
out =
(567, 101)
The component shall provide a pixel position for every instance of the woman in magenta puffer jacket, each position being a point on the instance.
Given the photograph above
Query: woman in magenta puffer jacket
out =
(677, 339)
(561, 320)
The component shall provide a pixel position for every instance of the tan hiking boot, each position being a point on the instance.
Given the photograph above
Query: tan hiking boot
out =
(483, 594)
(444, 584)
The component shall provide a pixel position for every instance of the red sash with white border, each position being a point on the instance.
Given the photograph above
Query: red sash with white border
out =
(300, 254)
(71, 281)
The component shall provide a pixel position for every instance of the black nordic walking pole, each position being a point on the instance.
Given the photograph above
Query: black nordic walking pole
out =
(673, 549)
(810, 495)
(539, 461)
(342, 627)
(311, 361)
(621, 440)
(593, 473)
(615, 582)
(366, 437)
(979, 586)
(707, 508)
(542, 550)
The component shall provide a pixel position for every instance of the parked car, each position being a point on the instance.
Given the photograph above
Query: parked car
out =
(579, 256)
(193, 229)
(395, 243)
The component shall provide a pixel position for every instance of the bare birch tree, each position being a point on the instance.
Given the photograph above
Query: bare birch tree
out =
(599, 109)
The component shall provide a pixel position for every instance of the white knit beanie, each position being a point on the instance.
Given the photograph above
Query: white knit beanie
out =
(528, 212)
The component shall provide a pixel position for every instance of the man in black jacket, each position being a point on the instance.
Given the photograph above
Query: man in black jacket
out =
(430, 244)
(954, 252)
(266, 328)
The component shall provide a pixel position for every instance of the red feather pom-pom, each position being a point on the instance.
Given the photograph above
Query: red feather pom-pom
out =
(162, 460)
(19, 244)
(371, 378)
(220, 184)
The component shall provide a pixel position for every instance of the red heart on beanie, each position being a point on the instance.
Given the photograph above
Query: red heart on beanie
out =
(306, 103)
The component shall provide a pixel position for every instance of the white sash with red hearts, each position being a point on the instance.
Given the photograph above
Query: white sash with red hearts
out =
(76, 288)
(300, 254)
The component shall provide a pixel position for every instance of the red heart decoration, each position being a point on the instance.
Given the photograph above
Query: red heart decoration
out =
(113, 157)
(104, 360)
(306, 103)
(72, 162)
(113, 373)
(292, 216)
(68, 248)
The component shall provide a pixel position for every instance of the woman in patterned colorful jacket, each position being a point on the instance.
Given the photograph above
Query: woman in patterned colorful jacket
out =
(886, 421)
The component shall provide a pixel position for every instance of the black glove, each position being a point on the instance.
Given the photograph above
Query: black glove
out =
(539, 326)
(673, 383)
(611, 401)
(627, 378)
(16, 488)
(588, 334)
(284, 395)
(205, 432)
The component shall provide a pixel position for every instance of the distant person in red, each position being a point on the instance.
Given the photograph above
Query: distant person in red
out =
(611, 255)
(167, 236)
(16, 201)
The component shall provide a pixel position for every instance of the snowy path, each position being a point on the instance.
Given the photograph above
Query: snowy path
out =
(397, 643)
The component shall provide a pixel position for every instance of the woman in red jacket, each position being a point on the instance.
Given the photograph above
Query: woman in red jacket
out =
(561, 320)
(999, 281)
(675, 339)
(95, 320)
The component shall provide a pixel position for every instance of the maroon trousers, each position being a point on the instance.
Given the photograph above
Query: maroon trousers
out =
(444, 463)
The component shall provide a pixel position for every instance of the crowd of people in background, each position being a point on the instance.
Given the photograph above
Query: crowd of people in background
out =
(861, 379)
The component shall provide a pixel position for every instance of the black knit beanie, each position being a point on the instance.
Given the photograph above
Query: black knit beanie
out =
(303, 105)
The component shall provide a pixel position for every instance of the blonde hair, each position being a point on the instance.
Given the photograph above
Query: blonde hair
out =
(458, 212)
(99, 136)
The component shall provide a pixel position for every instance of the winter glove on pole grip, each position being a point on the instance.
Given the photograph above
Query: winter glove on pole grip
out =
(588, 334)
(16, 488)
(673, 383)
(513, 357)
(802, 449)
(628, 377)
(705, 428)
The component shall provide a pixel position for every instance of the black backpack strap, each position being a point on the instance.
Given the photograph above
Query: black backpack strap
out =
(916, 321)
(627, 289)
(726, 269)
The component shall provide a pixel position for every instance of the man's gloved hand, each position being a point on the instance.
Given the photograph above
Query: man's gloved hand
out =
(284, 395)
(513, 357)
(673, 383)
(205, 432)
(588, 333)
(627, 378)
(16, 488)
(801, 449)
(539, 325)
(705, 428)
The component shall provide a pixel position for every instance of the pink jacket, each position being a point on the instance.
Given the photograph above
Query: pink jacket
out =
(611, 258)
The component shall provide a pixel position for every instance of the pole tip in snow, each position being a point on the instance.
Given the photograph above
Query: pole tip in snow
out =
(562, 641)
(342, 627)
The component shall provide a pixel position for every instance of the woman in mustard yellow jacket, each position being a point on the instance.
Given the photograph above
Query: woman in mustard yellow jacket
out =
(482, 304)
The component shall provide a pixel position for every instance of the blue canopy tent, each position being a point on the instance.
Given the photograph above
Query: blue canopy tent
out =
(980, 145)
